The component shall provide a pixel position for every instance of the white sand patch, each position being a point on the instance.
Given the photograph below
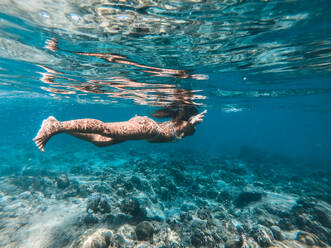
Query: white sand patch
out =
(40, 232)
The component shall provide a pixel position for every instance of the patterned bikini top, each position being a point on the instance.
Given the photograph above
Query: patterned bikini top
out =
(172, 127)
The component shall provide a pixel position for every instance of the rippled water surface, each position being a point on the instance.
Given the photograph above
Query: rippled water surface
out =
(216, 53)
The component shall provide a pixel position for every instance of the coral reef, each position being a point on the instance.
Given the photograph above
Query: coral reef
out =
(143, 200)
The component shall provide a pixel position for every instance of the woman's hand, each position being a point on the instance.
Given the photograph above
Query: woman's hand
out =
(197, 118)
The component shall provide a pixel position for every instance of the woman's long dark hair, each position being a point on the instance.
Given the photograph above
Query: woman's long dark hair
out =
(179, 114)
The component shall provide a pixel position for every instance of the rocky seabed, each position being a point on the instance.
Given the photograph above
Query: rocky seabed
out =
(150, 201)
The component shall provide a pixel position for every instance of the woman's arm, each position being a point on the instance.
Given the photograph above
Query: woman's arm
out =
(196, 119)
(186, 128)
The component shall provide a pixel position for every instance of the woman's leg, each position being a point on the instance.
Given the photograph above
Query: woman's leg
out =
(134, 129)
(96, 139)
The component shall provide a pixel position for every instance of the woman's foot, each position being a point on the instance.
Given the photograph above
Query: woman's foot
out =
(48, 128)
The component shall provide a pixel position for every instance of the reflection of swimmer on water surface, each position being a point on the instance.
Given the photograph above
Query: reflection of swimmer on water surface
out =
(52, 45)
(182, 123)
(155, 94)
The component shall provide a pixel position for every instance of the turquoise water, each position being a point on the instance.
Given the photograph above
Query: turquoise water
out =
(256, 173)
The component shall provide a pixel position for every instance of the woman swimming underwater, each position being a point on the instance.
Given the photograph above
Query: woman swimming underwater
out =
(182, 123)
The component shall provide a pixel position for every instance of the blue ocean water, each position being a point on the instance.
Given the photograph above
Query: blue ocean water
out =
(256, 173)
